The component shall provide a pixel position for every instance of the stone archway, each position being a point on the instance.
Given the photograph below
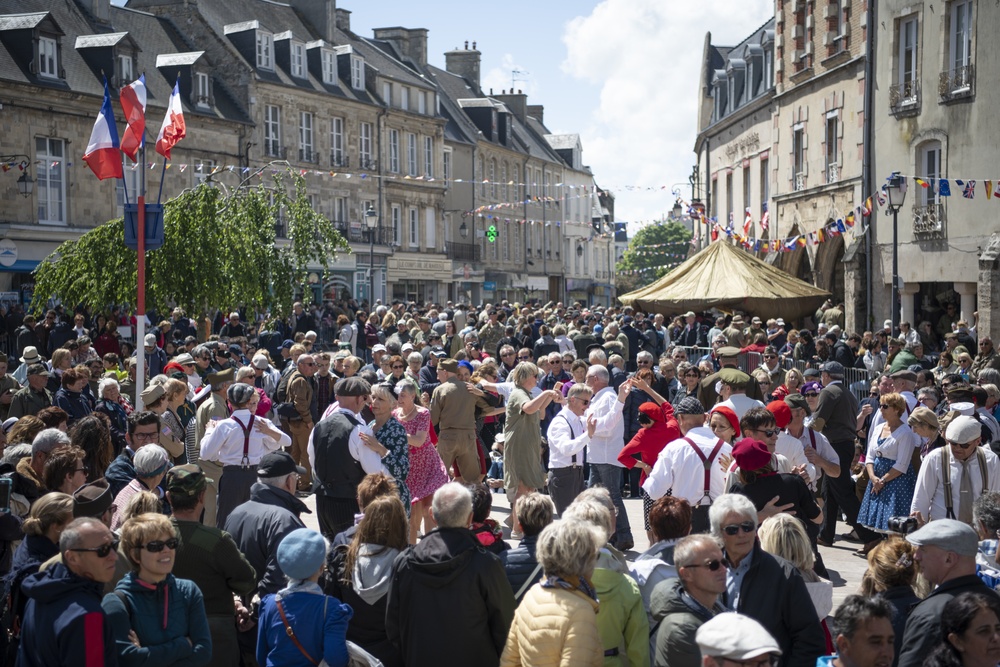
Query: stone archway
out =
(797, 263)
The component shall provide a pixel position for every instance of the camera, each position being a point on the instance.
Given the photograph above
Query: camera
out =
(902, 525)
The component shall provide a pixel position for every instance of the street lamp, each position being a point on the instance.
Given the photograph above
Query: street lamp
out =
(464, 230)
(579, 250)
(25, 184)
(677, 210)
(897, 195)
(371, 221)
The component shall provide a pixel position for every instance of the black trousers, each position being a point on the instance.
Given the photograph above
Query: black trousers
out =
(565, 484)
(335, 514)
(699, 520)
(839, 495)
(234, 490)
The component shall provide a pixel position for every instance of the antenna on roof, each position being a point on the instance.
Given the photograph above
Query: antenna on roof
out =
(516, 75)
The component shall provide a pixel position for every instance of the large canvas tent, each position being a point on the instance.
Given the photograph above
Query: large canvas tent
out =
(725, 277)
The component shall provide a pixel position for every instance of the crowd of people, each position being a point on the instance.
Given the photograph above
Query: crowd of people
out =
(167, 527)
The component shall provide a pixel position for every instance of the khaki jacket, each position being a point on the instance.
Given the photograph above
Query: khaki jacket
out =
(300, 393)
(454, 408)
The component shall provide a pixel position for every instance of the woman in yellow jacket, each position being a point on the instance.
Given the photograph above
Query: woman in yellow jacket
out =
(555, 624)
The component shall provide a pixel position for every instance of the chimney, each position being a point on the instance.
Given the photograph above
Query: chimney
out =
(465, 63)
(517, 103)
(537, 111)
(343, 19)
(320, 14)
(100, 9)
(411, 43)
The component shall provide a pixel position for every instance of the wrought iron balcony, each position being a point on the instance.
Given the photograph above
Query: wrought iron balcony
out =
(339, 159)
(957, 83)
(310, 156)
(929, 221)
(272, 149)
(832, 172)
(904, 97)
(465, 252)
(367, 164)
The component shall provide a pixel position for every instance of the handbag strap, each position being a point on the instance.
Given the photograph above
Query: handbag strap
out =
(291, 633)
(527, 582)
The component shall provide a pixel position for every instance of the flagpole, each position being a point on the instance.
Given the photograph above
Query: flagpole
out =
(140, 316)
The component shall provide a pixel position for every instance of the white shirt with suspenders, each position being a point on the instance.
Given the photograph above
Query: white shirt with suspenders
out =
(936, 495)
(684, 465)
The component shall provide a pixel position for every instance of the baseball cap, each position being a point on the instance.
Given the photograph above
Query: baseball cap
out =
(260, 361)
(736, 637)
(187, 480)
(276, 464)
(378, 348)
(150, 340)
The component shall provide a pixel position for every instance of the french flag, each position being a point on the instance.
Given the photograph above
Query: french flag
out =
(133, 99)
(103, 156)
(173, 128)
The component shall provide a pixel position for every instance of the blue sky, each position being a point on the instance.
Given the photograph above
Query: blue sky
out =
(623, 74)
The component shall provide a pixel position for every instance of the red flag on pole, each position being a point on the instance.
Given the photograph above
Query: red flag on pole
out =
(133, 99)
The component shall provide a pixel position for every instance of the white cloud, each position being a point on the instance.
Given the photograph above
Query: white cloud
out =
(499, 78)
(647, 56)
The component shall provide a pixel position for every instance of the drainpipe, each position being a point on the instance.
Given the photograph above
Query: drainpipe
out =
(708, 191)
(524, 177)
(380, 127)
(867, 182)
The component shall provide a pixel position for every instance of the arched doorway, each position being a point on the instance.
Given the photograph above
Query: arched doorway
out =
(830, 266)
(797, 262)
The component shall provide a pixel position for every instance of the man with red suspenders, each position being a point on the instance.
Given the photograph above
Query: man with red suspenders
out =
(688, 467)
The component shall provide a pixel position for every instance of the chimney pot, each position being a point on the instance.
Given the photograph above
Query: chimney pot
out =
(473, 46)
(466, 45)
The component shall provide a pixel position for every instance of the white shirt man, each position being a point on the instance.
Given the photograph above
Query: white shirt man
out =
(817, 449)
(606, 406)
(680, 469)
(964, 455)
(568, 435)
(370, 461)
(223, 441)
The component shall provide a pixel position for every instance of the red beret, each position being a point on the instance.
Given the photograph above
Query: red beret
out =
(782, 413)
(751, 454)
(729, 414)
(652, 410)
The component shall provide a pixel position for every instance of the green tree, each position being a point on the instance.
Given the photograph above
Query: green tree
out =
(651, 254)
(219, 250)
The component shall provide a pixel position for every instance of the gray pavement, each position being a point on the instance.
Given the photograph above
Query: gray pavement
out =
(844, 567)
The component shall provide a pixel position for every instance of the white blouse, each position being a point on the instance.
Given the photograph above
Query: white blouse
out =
(898, 447)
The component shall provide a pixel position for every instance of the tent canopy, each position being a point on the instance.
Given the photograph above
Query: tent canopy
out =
(725, 277)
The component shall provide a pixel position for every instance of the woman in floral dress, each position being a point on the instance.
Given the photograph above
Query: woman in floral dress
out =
(391, 435)
(427, 472)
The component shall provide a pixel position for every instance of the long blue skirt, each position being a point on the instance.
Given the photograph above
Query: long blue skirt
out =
(894, 500)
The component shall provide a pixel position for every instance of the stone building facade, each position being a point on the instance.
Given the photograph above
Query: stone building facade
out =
(936, 120)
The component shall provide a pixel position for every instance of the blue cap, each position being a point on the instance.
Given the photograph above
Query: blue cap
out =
(285, 344)
(598, 329)
(302, 553)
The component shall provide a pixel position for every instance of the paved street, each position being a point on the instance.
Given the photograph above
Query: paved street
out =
(845, 568)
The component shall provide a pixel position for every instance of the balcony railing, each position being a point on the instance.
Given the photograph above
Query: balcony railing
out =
(929, 220)
(274, 150)
(905, 97)
(357, 232)
(307, 155)
(339, 159)
(465, 252)
(957, 83)
(832, 172)
(367, 164)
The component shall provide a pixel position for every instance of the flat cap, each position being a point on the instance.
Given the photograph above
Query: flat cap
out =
(352, 386)
(947, 534)
(798, 401)
(736, 637)
(277, 464)
(690, 406)
(92, 499)
(449, 365)
(905, 374)
(962, 430)
(184, 359)
(727, 351)
(833, 368)
(152, 393)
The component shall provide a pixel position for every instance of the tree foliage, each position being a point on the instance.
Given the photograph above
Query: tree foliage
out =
(219, 250)
(651, 254)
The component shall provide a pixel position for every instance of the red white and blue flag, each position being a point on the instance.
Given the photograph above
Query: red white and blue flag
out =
(103, 155)
(133, 99)
(173, 128)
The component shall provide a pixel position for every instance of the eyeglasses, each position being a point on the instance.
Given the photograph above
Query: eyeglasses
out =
(585, 401)
(83, 469)
(884, 406)
(103, 550)
(746, 527)
(873, 393)
(557, 361)
(770, 433)
(770, 356)
(156, 546)
(692, 375)
(507, 354)
(712, 565)
(524, 358)
(643, 363)
(398, 368)
(308, 363)
(149, 437)
(811, 395)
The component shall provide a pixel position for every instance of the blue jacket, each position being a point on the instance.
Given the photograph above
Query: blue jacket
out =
(120, 472)
(75, 403)
(319, 622)
(163, 616)
(64, 625)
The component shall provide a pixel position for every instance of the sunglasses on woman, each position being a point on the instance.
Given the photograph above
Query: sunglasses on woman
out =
(103, 550)
(746, 527)
(156, 546)
(712, 565)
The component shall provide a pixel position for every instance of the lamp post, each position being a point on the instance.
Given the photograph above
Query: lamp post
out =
(371, 221)
(897, 195)
(25, 184)
(464, 230)
(676, 212)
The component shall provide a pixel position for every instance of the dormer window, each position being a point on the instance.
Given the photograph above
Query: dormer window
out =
(126, 74)
(48, 58)
(329, 59)
(298, 60)
(265, 50)
(202, 90)
(357, 73)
